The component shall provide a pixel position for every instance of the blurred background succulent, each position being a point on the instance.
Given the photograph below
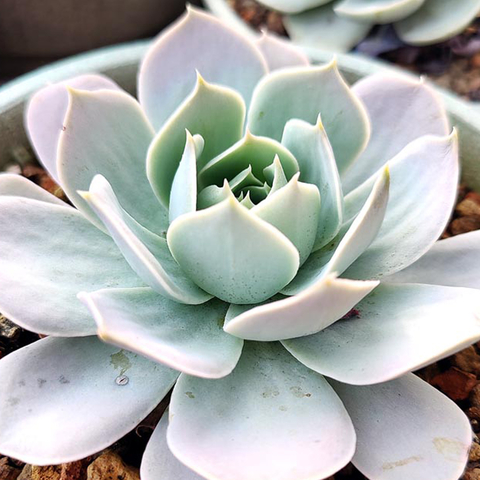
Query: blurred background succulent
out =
(340, 25)
(250, 230)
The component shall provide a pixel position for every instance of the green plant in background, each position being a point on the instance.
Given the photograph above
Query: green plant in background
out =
(256, 234)
(339, 25)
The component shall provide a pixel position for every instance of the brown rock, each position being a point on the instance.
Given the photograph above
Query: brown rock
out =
(109, 466)
(455, 383)
(474, 455)
(75, 470)
(40, 176)
(428, 372)
(473, 413)
(475, 398)
(474, 196)
(467, 360)
(7, 471)
(473, 474)
(67, 471)
(465, 224)
(275, 23)
(468, 207)
(33, 472)
(8, 329)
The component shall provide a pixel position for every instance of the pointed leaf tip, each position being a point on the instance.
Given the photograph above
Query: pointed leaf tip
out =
(220, 247)
(201, 41)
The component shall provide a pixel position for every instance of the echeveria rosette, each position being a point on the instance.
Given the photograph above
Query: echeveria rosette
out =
(224, 226)
(339, 25)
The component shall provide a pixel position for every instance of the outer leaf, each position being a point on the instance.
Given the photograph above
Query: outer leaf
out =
(319, 29)
(18, 186)
(183, 196)
(351, 242)
(147, 253)
(377, 11)
(425, 167)
(435, 22)
(50, 253)
(365, 227)
(399, 432)
(251, 150)
(400, 328)
(280, 53)
(460, 113)
(103, 130)
(199, 113)
(452, 262)
(314, 309)
(184, 337)
(56, 386)
(297, 430)
(314, 154)
(232, 254)
(294, 210)
(158, 460)
(392, 101)
(198, 41)
(296, 93)
(44, 119)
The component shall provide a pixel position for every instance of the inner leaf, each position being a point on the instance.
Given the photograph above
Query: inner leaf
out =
(253, 151)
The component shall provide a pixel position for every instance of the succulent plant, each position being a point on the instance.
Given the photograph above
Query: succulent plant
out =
(255, 234)
(339, 25)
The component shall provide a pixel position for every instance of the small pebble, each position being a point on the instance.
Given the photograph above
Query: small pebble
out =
(468, 360)
(472, 474)
(475, 398)
(473, 196)
(34, 472)
(109, 466)
(7, 471)
(275, 23)
(473, 413)
(475, 425)
(465, 224)
(8, 329)
(455, 383)
(468, 207)
(474, 455)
